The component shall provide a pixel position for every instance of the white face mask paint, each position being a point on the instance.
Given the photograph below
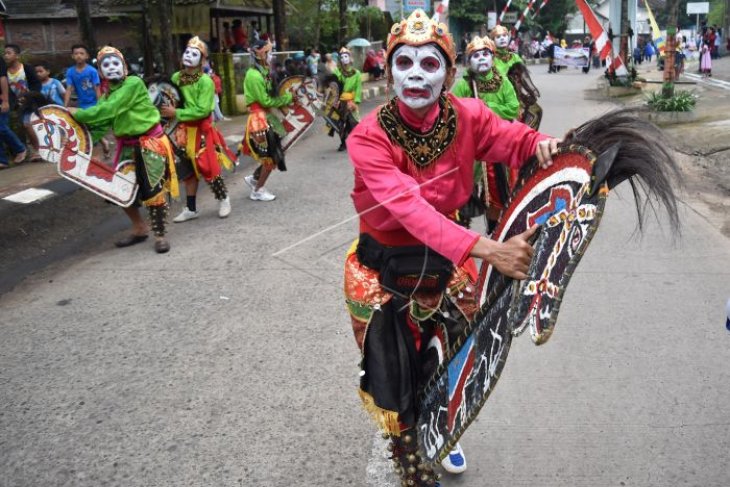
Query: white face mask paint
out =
(269, 58)
(480, 62)
(502, 40)
(419, 74)
(345, 59)
(112, 68)
(191, 57)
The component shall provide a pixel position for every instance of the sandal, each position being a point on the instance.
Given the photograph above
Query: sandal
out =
(20, 157)
(130, 240)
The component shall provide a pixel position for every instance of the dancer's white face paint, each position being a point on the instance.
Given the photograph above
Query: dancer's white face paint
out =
(345, 59)
(480, 61)
(502, 40)
(191, 57)
(112, 68)
(419, 74)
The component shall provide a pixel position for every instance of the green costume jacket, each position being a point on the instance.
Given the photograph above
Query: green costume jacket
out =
(199, 98)
(257, 87)
(351, 83)
(502, 100)
(504, 59)
(127, 108)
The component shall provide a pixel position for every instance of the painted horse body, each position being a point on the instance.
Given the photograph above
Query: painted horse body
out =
(67, 143)
(567, 201)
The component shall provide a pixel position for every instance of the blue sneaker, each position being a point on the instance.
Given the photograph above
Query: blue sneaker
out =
(455, 461)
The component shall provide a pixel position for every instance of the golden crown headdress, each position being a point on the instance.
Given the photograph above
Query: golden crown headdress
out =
(198, 44)
(417, 30)
(344, 50)
(498, 30)
(478, 44)
(110, 51)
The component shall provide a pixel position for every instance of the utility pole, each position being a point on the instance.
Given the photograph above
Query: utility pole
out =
(85, 26)
(669, 49)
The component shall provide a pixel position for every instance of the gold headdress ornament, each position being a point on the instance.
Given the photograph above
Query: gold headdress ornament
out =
(498, 31)
(199, 45)
(110, 51)
(417, 30)
(478, 44)
(344, 50)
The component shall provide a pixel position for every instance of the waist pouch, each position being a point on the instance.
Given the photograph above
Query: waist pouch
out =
(408, 269)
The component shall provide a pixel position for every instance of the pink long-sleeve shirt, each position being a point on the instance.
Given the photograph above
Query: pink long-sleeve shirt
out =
(395, 197)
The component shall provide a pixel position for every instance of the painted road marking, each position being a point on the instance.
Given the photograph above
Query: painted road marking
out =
(718, 83)
(30, 195)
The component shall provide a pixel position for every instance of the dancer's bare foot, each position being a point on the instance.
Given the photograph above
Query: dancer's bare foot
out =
(20, 157)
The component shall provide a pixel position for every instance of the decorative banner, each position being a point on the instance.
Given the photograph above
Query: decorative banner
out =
(656, 34)
(577, 57)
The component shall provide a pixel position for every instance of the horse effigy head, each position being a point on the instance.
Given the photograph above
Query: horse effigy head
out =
(567, 200)
(56, 130)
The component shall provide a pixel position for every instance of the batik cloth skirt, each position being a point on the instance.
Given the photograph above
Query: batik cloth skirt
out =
(205, 150)
(153, 163)
(402, 338)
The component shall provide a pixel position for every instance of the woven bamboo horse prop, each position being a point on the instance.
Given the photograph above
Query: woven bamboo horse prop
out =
(67, 143)
(567, 201)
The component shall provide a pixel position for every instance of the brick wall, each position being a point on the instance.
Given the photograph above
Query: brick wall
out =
(53, 38)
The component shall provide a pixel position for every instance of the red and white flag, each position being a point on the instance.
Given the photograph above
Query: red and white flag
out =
(443, 7)
(603, 47)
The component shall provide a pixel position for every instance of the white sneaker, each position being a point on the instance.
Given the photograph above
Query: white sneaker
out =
(224, 207)
(186, 215)
(262, 195)
(455, 461)
(251, 181)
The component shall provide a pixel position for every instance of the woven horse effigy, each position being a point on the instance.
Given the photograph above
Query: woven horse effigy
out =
(567, 201)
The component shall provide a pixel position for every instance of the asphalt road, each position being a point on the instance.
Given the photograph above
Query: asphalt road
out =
(230, 360)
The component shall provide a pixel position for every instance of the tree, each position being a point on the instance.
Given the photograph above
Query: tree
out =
(85, 27)
(282, 39)
(669, 50)
(167, 49)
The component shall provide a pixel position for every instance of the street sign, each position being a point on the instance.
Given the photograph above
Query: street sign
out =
(698, 8)
(411, 5)
(509, 18)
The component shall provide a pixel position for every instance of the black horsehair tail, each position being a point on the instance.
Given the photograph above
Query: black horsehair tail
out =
(643, 156)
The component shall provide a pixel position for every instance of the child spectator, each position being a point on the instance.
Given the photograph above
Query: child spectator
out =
(22, 79)
(83, 80)
(50, 87)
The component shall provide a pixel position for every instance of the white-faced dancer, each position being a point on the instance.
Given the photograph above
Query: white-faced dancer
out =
(481, 61)
(345, 59)
(419, 75)
(500, 34)
(191, 57)
(112, 67)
